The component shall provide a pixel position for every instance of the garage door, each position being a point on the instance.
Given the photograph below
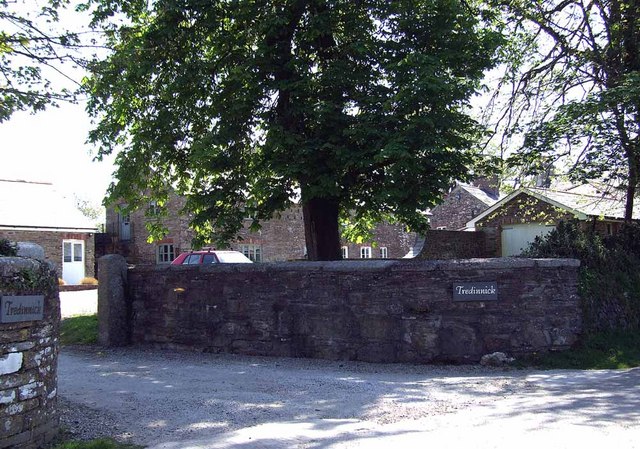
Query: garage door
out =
(515, 238)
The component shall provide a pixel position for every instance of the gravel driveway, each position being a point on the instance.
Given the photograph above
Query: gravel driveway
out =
(167, 399)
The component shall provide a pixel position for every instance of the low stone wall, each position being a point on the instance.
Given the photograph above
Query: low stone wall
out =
(378, 311)
(28, 355)
(440, 244)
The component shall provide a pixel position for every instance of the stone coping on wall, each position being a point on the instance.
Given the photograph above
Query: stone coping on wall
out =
(380, 265)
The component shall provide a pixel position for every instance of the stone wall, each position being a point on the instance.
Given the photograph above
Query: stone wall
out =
(377, 311)
(51, 241)
(458, 207)
(28, 358)
(456, 245)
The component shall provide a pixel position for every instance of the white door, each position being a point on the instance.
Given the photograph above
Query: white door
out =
(125, 227)
(72, 261)
(516, 238)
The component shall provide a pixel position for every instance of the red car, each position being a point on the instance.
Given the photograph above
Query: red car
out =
(207, 256)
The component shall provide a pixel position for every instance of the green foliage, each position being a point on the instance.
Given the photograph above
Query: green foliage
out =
(79, 330)
(609, 283)
(573, 82)
(103, 443)
(362, 104)
(31, 53)
(7, 248)
(615, 350)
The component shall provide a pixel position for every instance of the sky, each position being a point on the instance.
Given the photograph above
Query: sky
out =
(50, 146)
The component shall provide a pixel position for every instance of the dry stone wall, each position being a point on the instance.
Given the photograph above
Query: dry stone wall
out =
(439, 244)
(28, 355)
(377, 311)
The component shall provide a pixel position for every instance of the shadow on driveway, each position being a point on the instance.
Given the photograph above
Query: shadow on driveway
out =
(178, 400)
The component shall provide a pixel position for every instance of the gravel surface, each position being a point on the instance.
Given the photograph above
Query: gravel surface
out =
(170, 400)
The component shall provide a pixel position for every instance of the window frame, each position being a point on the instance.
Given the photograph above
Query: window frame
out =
(252, 251)
(165, 251)
(365, 252)
(344, 250)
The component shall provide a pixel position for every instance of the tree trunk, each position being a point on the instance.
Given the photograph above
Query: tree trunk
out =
(321, 229)
(631, 187)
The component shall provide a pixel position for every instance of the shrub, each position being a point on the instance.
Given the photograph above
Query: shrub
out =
(609, 280)
(89, 281)
(7, 248)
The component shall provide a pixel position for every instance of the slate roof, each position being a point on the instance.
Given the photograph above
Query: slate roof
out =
(580, 204)
(479, 194)
(39, 206)
(588, 204)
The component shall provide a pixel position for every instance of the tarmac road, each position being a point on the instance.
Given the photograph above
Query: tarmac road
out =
(181, 400)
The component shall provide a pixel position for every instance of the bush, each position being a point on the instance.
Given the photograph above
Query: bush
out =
(89, 281)
(609, 280)
(7, 248)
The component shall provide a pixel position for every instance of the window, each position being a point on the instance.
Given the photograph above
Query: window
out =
(609, 229)
(192, 259)
(209, 258)
(384, 253)
(66, 250)
(441, 228)
(77, 252)
(165, 253)
(72, 251)
(154, 208)
(365, 252)
(345, 252)
(253, 252)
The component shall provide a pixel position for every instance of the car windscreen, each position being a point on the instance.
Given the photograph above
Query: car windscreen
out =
(232, 257)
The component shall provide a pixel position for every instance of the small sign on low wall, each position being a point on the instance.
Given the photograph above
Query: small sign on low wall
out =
(14, 309)
(475, 291)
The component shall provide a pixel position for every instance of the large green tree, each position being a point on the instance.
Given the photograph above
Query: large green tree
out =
(356, 109)
(574, 89)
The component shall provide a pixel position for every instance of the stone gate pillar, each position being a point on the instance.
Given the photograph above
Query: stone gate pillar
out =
(29, 330)
(113, 310)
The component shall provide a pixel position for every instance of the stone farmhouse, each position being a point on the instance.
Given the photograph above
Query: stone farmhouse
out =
(462, 203)
(280, 239)
(515, 220)
(36, 212)
(505, 226)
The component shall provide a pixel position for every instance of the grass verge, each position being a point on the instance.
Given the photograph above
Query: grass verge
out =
(79, 330)
(599, 351)
(103, 443)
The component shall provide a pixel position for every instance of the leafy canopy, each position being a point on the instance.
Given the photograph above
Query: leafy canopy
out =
(263, 103)
(32, 53)
(573, 88)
